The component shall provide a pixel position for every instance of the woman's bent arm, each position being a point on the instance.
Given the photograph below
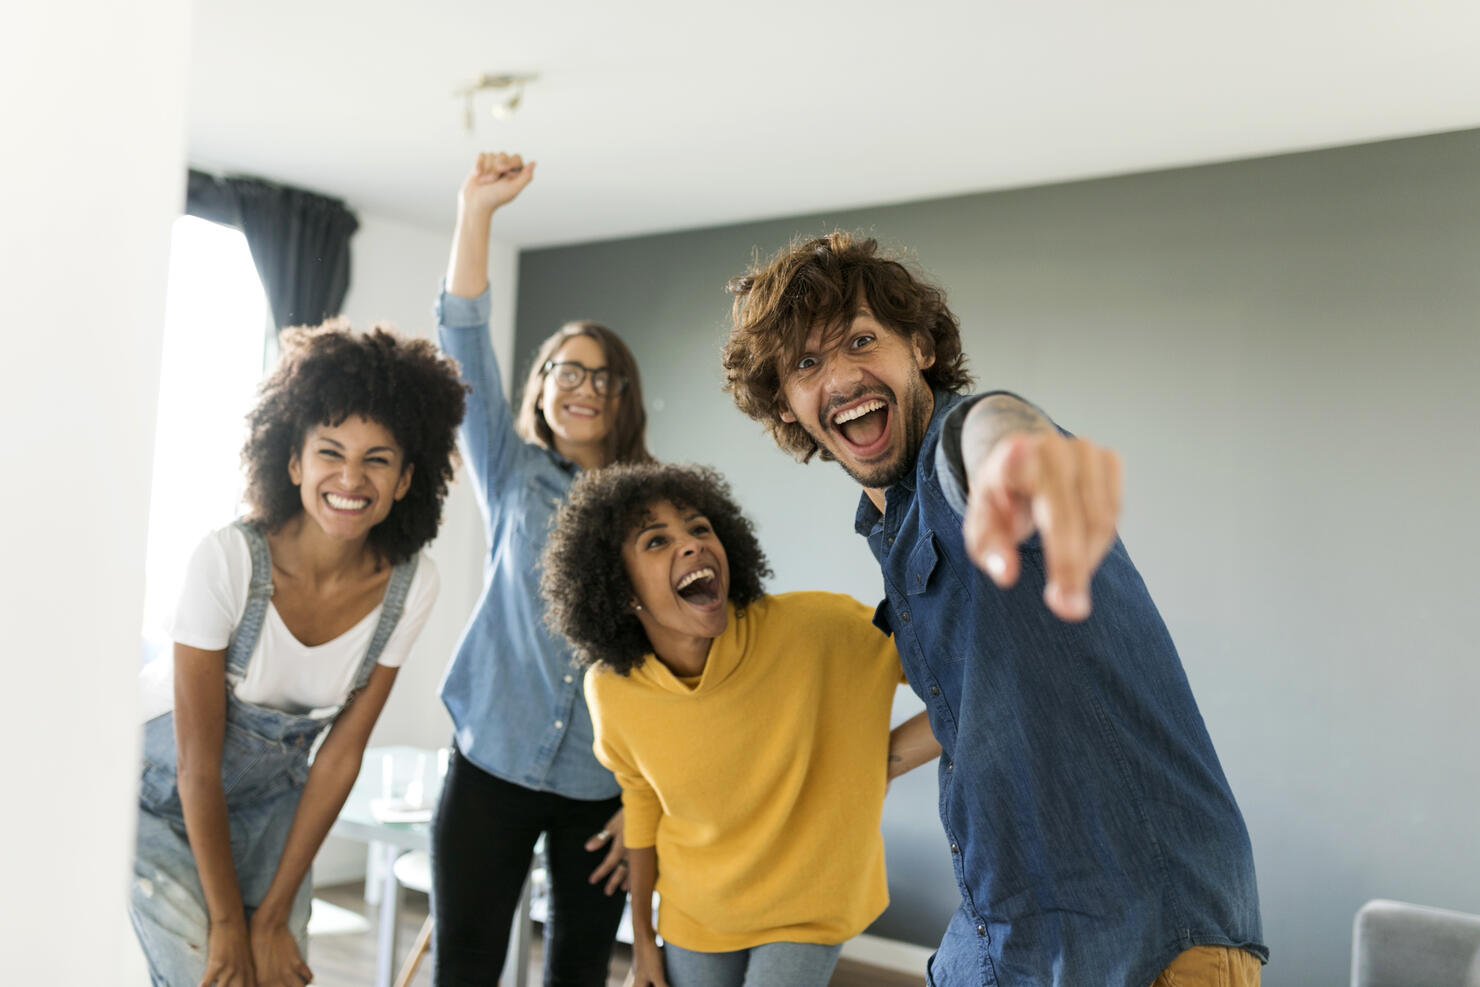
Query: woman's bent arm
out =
(330, 779)
(911, 744)
(647, 961)
(200, 727)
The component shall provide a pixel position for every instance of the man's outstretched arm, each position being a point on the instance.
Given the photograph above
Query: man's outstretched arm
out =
(1024, 476)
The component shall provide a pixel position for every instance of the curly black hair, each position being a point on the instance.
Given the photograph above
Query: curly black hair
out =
(328, 373)
(584, 580)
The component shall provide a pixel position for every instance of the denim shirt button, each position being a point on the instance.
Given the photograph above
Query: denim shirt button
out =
(935, 690)
(569, 679)
(950, 765)
(981, 930)
(889, 541)
(904, 616)
(559, 724)
(955, 848)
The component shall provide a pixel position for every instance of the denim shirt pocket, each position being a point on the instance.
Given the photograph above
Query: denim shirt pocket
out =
(538, 501)
(921, 566)
(928, 571)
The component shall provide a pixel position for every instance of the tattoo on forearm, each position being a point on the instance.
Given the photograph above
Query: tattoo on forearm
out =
(895, 757)
(993, 417)
(1008, 414)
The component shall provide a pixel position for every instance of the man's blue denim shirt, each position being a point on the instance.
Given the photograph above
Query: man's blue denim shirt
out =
(512, 688)
(1093, 834)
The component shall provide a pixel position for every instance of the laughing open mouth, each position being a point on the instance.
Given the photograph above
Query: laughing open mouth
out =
(700, 587)
(342, 503)
(864, 424)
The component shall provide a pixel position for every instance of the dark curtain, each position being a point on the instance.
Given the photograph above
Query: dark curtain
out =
(299, 241)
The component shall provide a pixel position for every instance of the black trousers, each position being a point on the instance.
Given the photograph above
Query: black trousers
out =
(483, 837)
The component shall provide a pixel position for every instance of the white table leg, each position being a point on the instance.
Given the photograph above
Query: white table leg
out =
(374, 871)
(390, 906)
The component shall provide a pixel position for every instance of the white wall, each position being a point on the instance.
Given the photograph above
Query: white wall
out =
(92, 176)
(395, 271)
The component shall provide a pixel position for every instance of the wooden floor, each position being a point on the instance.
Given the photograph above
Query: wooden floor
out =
(347, 959)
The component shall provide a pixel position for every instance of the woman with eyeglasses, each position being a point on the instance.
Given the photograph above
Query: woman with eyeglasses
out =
(522, 762)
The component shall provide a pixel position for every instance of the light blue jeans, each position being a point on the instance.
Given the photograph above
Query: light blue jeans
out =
(772, 964)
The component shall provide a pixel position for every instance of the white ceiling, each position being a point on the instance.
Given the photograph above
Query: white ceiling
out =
(652, 115)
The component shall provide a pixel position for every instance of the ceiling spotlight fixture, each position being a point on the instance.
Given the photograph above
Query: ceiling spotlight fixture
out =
(499, 82)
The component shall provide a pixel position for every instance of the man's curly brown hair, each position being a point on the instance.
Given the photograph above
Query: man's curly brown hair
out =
(823, 282)
(585, 583)
(330, 372)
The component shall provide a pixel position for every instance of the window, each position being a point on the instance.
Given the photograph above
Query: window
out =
(215, 334)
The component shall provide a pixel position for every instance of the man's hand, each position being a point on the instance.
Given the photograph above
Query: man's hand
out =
(1068, 490)
(494, 181)
(228, 956)
(275, 956)
(615, 861)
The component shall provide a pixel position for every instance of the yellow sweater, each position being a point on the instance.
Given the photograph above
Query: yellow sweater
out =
(761, 785)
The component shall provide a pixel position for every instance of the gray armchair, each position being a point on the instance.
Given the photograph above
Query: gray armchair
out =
(1400, 945)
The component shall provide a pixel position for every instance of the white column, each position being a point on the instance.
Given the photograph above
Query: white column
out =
(91, 177)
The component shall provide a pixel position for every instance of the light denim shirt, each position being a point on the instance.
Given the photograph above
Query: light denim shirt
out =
(1092, 832)
(513, 690)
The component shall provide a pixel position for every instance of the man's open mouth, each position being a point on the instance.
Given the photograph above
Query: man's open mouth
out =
(864, 425)
(700, 587)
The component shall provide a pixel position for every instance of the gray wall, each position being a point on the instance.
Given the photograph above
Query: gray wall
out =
(1285, 352)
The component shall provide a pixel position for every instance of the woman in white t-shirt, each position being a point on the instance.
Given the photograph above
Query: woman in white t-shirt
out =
(291, 627)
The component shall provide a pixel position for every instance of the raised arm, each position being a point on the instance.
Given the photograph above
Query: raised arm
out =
(335, 767)
(1023, 476)
(911, 744)
(494, 182)
(489, 440)
(200, 727)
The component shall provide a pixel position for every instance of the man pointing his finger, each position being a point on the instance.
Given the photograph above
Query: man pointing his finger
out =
(1093, 835)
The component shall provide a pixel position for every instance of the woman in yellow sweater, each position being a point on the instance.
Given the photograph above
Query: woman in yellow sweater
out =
(750, 733)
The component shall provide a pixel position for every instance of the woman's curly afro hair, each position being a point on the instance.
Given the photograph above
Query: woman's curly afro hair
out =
(585, 583)
(329, 373)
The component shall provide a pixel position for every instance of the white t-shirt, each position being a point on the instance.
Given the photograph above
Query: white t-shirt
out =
(283, 673)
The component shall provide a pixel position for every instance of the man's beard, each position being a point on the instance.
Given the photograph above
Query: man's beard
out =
(914, 411)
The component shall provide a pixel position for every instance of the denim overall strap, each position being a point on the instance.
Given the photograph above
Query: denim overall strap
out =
(244, 636)
(391, 607)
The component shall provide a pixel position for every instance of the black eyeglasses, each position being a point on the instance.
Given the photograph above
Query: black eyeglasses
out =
(569, 374)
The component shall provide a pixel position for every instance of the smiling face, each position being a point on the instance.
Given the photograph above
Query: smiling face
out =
(579, 418)
(860, 393)
(681, 578)
(349, 476)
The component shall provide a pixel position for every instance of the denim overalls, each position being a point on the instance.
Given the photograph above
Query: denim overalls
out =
(264, 763)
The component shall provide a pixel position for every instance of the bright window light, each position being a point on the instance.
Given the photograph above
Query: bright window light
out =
(215, 331)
